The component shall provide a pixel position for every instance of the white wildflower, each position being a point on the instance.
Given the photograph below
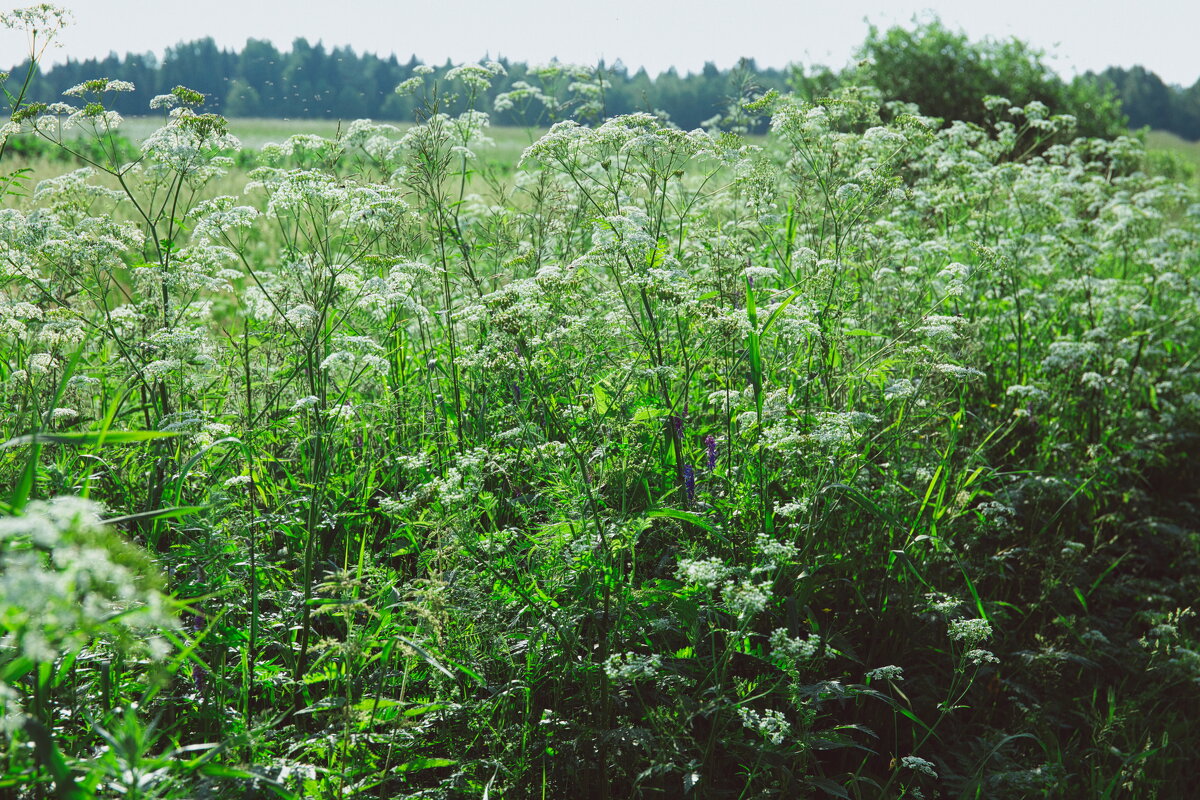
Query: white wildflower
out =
(305, 403)
(888, 673)
(970, 631)
(978, 657)
(771, 724)
(708, 572)
(792, 648)
(919, 765)
(629, 667)
(744, 599)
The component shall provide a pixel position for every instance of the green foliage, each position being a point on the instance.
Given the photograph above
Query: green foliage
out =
(30, 149)
(1175, 157)
(1151, 103)
(309, 81)
(851, 463)
(948, 76)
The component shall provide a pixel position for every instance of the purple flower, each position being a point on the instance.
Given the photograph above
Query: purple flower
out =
(710, 446)
(677, 421)
(689, 482)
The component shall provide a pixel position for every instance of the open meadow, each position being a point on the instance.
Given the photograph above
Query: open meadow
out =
(1164, 142)
(856, 460)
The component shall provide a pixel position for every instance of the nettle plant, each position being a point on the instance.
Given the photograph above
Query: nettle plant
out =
(661, 462)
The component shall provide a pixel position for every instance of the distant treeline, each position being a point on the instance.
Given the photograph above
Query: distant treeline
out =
(310, 81)
(940, 70)
(1150, 102)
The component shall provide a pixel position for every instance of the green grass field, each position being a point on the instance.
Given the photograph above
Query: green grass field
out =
(254, 132)
(501, 156)
(251, 131)
(1164, 141)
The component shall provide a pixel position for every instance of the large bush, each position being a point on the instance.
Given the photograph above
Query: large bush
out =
(946, 75)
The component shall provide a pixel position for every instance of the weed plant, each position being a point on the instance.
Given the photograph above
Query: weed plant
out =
(854, 463)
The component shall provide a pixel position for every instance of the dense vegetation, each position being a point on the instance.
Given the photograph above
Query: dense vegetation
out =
(1151, 103)
(852, 463)
(947, 75)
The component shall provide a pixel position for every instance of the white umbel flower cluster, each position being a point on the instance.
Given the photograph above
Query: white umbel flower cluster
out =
(66, 580)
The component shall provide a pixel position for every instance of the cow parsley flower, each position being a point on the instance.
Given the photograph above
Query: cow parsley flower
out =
(41, 363)
(959, 372)
(794, 649)
(65, 578)
(43, 18)
(919, 765)
(342, 413)
(978, 657)
(98, 86)
(473, 76)
(745, 599)
(943, 603)
(305, 403)
(898, 389)
(709, 572)
(630, 667)
(888, 673)
(970, 631)
(772, 725)
(302, 317)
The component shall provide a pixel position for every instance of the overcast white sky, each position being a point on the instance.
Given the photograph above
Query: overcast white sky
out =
(1077, 34)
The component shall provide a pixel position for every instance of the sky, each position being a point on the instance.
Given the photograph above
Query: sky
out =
(1076, 35)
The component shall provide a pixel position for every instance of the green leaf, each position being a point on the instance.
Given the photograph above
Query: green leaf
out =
(425, 763)
(174, 512)
(470, 673)
(778, 310)
(648, 413)
(603, 400)
(88, 438)
(425, 654)
(265, 781)
(683, 516)
(1080, 597)
(829, 787)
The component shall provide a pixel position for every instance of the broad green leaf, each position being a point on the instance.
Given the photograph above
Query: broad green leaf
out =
(683, 516)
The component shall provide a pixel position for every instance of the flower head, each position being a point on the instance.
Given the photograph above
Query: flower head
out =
(710, 448)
